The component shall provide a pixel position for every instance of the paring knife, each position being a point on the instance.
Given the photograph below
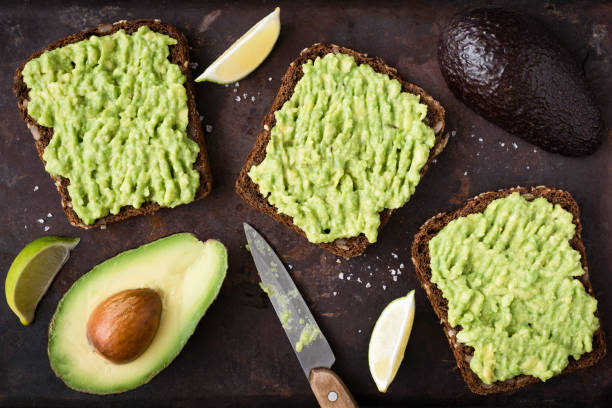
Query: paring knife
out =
(307, 341)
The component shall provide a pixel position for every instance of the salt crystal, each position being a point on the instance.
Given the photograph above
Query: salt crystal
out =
(368, 285)
(465, 173)
(480, 139)
(244, 95)
(237, 99)
(338, 260)
(252, 99)
(290, 266)
(226, 85)
(527, 167)
(395, 279)
(453, 133)
(384, 287)
(209, 128)
(49, 215)
(237, 84)
(401, 266)
(359, 330)
(40, 220)
(335, 293)
(340, 275)
(359, 280)
(348, 278)
(201, 118)
(514, 145)
(502, 144)
(392, 271)
(35, 188)
(269, 79)
(46, 228)
(235, 90)
(393, 254)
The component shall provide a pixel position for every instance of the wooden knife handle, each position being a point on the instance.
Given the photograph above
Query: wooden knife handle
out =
(329, 389)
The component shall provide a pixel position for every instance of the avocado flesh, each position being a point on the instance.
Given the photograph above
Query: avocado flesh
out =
(187, 274)
(516, 74)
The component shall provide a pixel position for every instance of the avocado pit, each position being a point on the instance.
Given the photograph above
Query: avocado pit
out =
(123, 326)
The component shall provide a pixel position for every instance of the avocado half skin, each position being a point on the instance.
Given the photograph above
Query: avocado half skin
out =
(516, 74)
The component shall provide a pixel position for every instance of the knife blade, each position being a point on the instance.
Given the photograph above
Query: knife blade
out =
(307, 341)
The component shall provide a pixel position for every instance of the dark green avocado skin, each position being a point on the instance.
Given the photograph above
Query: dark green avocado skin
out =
(515, 73)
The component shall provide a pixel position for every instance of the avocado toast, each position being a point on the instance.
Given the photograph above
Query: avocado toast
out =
(250, 191)
(179, 55)
(464, 353)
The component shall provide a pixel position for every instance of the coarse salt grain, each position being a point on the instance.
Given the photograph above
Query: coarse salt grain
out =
(35, 188)
(40, 220)
(237, 99)
(46, 228)
(384, 287)
(393, 254)
(49, 215)
(269, 79)
(395, 279)
(368, 285)
(209, 128)
(340, 275)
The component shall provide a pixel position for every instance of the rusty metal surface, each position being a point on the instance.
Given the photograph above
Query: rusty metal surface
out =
(239, 354)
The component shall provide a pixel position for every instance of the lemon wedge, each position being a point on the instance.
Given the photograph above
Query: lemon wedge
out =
(32, 272)
(389, 339)
(246, 54)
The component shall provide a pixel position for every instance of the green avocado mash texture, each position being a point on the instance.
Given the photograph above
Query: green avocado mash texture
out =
(118, 109)
(348, 144)
(508, 275)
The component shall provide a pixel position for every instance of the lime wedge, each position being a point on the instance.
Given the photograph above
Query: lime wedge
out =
(246, 53)
(389, 339)
(32, 272)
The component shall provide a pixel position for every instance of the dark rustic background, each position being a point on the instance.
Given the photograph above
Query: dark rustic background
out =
(239, 354)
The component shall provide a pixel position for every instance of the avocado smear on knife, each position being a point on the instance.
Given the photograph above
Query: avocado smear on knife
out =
(508, 275)
(118, 109)
(348, 144)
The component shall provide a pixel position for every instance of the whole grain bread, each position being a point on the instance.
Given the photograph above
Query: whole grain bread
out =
(249, 191)
(179, 54)
(462, 352)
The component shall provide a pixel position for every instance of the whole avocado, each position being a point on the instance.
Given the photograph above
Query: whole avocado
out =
(516, 74)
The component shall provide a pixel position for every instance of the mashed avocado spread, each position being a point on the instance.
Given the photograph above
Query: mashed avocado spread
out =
(118, 109)
(348, 144)
(508, 275)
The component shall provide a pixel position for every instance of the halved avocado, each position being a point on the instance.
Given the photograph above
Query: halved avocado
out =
(185, 272)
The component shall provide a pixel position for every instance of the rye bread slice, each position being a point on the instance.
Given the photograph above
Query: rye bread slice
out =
(462, 352)
(249, 191)
(179, 54)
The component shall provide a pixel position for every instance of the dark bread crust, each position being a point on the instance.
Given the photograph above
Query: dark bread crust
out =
(179, 54)
(462, 352)
(249, 191)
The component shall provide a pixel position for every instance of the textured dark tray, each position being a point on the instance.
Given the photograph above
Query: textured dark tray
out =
(239, 354)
